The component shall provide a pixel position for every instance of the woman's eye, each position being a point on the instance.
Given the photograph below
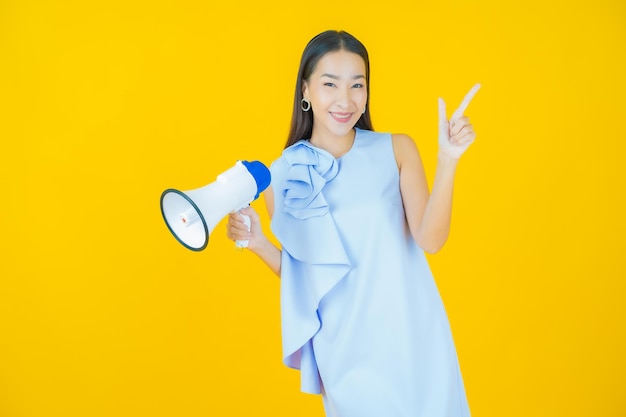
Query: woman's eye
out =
(329, 84)
(357, 86)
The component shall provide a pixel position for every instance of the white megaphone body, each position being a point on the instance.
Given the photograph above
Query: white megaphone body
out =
(192, 215)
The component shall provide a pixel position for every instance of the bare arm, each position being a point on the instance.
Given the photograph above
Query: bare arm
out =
(429, 214)
(257, 241)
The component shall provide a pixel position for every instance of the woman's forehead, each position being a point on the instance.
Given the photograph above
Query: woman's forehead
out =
(341, 63)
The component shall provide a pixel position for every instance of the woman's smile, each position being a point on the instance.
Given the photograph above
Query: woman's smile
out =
(341, 117)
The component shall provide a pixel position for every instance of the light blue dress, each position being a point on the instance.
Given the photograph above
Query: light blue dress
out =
(361, 314)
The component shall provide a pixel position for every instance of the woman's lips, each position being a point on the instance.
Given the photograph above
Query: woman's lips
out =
(341, 117)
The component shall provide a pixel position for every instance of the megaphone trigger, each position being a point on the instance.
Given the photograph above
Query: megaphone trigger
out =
(243, 243)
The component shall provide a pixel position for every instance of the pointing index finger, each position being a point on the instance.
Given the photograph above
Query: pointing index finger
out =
(466, 101)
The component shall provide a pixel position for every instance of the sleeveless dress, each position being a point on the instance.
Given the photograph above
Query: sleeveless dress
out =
(361, 314)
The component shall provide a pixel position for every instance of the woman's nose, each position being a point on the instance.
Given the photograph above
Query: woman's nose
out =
(343, 97)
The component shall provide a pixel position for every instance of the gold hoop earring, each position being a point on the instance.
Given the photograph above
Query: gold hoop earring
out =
(305, 104)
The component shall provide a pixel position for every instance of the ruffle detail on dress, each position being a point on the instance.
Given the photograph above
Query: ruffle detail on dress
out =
(309, 170)
(313, 258)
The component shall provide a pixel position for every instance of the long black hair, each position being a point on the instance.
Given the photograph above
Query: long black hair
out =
(320, 45)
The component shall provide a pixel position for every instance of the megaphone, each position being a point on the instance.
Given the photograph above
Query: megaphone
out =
(192, 215)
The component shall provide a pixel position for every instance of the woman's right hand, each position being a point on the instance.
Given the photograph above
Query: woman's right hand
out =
(236, 229)
(258, 243)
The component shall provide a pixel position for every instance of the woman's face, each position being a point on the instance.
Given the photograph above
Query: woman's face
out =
(337, 92)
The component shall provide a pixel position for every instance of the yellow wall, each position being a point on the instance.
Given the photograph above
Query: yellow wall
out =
(105, 104)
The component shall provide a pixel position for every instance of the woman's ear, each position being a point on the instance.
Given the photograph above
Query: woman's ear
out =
(305, 89)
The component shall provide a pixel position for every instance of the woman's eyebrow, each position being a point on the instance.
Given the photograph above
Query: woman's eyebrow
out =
(335, 77)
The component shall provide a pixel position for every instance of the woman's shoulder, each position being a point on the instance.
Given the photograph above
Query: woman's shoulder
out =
(402, 141)
(402, 138)
(404, 148)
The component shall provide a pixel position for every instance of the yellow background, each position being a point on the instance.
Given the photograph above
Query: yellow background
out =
(104, 104)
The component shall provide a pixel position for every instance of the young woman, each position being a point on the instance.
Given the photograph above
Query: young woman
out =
(361, 315)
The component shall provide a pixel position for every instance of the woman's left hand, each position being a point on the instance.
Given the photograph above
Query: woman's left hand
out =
(456, 135)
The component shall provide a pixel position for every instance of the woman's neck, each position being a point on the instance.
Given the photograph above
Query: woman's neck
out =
(337, 146)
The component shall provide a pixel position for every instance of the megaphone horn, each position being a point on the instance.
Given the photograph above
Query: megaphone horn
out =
(192, 215)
